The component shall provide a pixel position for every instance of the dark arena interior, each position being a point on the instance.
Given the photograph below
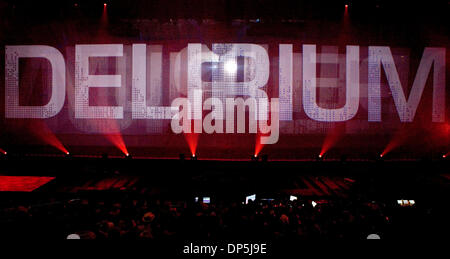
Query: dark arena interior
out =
(224, 127)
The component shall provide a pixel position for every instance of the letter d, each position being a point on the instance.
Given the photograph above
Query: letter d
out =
(58, 84)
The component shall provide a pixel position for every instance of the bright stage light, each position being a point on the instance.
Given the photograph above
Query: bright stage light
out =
(373, 236)
(73, 236)
(192, 141)
(250, 198)
(406, 203)
(230, 67)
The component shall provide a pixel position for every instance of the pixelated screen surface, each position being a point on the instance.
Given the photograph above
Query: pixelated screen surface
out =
(344, 92)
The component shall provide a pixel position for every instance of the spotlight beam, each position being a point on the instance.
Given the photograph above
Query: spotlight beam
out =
(398, 139)
(40, 130)
(117, 141)
(192, 141)
(332, 138)
(258, 145)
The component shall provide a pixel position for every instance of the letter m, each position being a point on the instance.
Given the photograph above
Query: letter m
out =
(406, 108)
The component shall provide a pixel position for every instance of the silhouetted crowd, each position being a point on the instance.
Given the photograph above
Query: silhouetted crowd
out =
(140, 218)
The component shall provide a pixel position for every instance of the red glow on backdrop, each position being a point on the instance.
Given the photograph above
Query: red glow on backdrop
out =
(332, 138)
(111, 129)
(323, 144)
(115, 136)
(117, 141)
(399, 138)
(103, 29)
(391, 146)
(192, 141)
(22, 183)
(105, 14)
(346, 33)
(41, 131)
(447, 130)
(2, 151)
(346, 15)
(258, 145)
(192, 138)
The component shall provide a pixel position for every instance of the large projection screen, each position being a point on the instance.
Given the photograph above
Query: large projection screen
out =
(242, 87)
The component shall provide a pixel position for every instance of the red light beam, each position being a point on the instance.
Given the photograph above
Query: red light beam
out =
(399, 138)
(258, 145)
(192, 137)
(333, 136)
(40, 130)
(117, 140)
(113, 134)
(192, 141)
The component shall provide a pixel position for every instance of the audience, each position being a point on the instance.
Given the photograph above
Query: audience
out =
(130, 217)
